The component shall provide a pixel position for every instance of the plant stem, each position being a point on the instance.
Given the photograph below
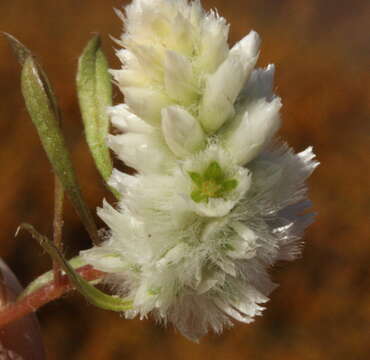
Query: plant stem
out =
(58, 225)
(45, 294)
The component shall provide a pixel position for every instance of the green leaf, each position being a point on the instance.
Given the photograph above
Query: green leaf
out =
(41, 106)
(91, 293)
(213, 172)
(94, 89)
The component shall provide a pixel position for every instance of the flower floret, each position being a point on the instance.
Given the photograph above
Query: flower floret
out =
(211, 184)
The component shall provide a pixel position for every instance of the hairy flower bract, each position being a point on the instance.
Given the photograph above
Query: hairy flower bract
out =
(215, 201)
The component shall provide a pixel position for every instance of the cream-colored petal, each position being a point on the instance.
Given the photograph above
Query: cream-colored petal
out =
(256, 128)
(182, 132)
(146, 103)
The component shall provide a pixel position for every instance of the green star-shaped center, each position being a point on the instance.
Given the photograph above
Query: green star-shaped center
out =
(211, 184)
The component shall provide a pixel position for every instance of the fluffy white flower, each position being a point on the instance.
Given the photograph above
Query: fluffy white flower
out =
(214, 202)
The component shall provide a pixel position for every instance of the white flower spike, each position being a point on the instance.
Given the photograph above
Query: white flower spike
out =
(214, 202)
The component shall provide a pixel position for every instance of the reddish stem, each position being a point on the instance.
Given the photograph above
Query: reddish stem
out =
(45, 294)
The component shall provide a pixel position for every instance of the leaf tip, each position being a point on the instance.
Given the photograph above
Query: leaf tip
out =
(20, 51)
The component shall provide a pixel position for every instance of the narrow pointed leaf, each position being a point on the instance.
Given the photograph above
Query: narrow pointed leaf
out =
(22, 53)
(94, 88)
(91, 293)
(41, 106)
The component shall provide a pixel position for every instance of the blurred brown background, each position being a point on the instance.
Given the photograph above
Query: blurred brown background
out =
(322, 53)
